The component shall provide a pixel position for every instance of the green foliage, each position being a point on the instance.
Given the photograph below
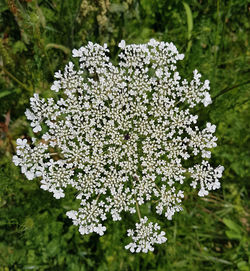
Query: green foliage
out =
(35, 41)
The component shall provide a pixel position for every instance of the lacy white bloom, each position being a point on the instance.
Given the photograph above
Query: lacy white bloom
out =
(145, 236)
(121, 136)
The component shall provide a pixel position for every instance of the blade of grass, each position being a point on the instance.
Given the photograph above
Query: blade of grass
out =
(189, 24)
(58, 46)
(211, 258)
(15, 79)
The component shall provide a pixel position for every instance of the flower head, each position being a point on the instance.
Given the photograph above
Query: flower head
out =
(145, 236)
(121, 135)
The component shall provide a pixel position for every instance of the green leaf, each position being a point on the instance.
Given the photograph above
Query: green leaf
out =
(232, 225)
(233, 235)
(189, 19)
(53, 247)
(189, 24)
(235, 231)
(5, 93)
(3, 7)
(19, 47)
(243, 266)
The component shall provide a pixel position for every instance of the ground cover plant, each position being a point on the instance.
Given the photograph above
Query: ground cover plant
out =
(36, 40)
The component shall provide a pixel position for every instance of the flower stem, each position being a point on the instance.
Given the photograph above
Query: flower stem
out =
(138, 210)
(15, 79)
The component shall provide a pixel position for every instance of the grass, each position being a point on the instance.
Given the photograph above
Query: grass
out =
(36, 37)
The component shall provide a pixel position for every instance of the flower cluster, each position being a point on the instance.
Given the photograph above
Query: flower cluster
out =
(121, 136)
(146, 236)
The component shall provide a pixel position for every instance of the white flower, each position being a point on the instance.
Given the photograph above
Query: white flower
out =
(56, 86)
(211, 128)
(169, 202)
(122, 44)
(207, 99)
(100, 229)
(29, 115)
(16, 160)
(218, 171)
(76, 53)
(58, 75)
(58, 193)
(71, 214)
(21, 143)
(206, 176)
(37, 128)
(159, 73)
(121, 137)
(145, 236)
(30, 175)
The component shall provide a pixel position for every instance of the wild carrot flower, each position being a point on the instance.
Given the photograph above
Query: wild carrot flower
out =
(121, 136)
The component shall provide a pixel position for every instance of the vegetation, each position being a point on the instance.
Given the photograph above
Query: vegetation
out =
(36, 39)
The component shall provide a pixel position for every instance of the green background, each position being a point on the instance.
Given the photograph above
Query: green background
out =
(36, 39)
